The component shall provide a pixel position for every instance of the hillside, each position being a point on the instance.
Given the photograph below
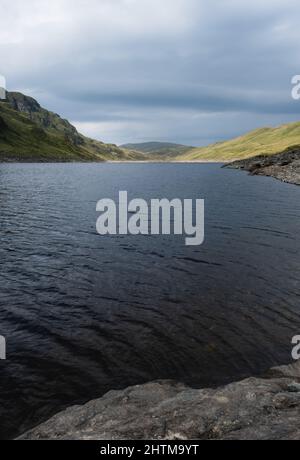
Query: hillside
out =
(28, 132)
(158, 150)
(264, 141)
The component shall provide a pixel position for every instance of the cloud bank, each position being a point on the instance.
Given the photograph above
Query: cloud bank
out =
(189, 71)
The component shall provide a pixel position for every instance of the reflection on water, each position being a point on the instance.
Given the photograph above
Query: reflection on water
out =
(83, 314)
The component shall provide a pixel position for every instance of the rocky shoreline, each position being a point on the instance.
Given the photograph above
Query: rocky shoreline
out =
(255, 408)
(284, 166)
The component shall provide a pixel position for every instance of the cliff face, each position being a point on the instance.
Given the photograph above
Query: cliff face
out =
(255, 408)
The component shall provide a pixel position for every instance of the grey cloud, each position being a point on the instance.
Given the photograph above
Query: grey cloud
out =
(128, 65)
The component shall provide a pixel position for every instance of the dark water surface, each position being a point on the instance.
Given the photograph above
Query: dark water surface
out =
(83, 314)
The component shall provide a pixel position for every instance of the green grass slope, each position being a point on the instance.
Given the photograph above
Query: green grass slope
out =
(265, 141)
(30, 133)
(23, 140)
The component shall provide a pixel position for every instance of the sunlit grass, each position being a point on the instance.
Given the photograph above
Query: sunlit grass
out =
(261, 141)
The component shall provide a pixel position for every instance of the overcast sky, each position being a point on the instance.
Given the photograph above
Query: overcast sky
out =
(188, 71)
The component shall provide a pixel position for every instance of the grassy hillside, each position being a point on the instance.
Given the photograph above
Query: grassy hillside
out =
(158, 150)
(30, 133)
(265, 141)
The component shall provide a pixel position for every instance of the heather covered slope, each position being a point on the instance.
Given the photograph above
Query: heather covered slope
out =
(28, 132)
(263, 141)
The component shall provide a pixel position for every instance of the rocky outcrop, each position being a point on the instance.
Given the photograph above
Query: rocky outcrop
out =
(284, 166)
(43, 118)
(255, 408)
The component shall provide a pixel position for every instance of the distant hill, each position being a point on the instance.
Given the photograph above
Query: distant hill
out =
(29, 132)
(158, 150)
(263, 141)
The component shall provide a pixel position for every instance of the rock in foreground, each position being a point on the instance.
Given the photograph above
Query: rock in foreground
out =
(284, 166)
(255, 408)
